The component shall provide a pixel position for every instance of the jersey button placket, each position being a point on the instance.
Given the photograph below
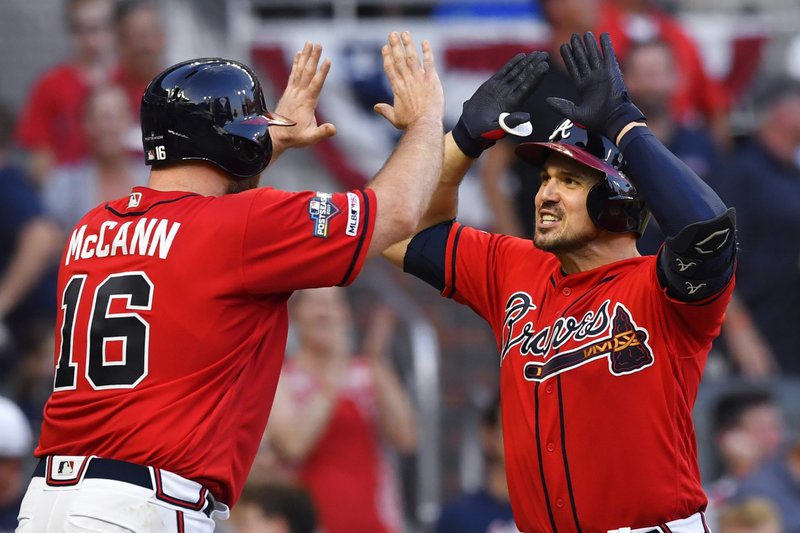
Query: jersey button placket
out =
(566, 291)
(551, 447)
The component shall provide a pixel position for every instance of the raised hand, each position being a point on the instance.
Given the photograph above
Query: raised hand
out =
(494, 110)
(605, 107)
(299, 101)
(418, 93)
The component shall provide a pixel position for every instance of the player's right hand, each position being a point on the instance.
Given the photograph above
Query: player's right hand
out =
(494, 109)
(418, 93)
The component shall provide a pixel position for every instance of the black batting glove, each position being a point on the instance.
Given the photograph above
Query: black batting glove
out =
(605, 107)
(490, 113)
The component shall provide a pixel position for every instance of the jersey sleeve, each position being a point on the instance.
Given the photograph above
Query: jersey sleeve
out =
(301, 240)
(475, 268)
(702, 319)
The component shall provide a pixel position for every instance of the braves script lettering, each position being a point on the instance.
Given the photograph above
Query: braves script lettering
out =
(540, 343)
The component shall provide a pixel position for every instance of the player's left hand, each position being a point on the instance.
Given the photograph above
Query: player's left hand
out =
(299, 102)
(605, 107)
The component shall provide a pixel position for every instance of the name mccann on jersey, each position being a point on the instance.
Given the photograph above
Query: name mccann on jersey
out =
(147, 236)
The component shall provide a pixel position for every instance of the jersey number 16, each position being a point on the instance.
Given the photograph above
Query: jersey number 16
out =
(127, 327)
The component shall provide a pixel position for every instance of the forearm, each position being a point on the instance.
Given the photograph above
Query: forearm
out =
(443, 205)
(405, 184)
(37, 246)
(676, 196)
(396, 414)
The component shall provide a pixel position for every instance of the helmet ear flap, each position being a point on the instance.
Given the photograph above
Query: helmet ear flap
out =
(616, 213)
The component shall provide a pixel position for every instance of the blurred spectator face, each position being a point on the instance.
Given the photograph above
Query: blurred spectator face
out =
(250, 518)
(755, 433)
(141, 41)
(785, 116)
(571, 15)
(90, 27)
(106, 121)
(322, 317)
(765, 426)
(651, 78)
(751, 516)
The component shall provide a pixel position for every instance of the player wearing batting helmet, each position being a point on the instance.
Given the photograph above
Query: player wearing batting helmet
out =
(601, 349)
(172, 301)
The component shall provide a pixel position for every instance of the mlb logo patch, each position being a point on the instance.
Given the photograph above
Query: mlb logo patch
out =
(65, 469)
(321, 209)
(134, 200)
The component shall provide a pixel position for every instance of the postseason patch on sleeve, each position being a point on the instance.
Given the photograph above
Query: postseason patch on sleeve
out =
(321, 209)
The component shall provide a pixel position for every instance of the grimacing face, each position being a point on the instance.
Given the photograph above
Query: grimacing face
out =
(562, 222)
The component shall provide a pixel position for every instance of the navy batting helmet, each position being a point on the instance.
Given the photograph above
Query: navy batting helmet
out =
(211, 110)
(613, 204)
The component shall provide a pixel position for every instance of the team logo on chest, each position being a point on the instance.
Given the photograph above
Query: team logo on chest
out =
(612, 336)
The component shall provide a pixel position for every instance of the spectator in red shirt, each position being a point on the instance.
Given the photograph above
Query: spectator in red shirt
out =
(50, 126)
(330, 412)
(698, 95)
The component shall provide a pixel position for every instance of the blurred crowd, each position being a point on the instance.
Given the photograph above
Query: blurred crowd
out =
(343, 417)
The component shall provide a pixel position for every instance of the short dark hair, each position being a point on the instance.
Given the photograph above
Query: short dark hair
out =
(731, 407)
(772, 90)
(635, 46)
(126, 7)
(285, 500)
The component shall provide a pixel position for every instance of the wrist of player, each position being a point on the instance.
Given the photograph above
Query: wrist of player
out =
(621, 118)
(469, 144)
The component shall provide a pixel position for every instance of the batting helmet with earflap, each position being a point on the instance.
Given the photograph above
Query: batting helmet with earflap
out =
(209, 109)
(613, 204)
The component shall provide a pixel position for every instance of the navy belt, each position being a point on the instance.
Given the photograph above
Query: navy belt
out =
(99, 468)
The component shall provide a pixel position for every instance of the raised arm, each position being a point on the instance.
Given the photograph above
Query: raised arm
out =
(486, 117)
(698, 258)
(404, 185)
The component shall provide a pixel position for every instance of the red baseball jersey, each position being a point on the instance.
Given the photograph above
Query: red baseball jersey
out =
(172, 322)
(348, 473)
(599, 371)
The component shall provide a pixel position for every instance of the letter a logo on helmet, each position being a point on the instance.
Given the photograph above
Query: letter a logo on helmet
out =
(613, 204)
(208, 110)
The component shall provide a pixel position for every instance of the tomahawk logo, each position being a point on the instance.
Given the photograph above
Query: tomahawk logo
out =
(625, 347)
(604, 336)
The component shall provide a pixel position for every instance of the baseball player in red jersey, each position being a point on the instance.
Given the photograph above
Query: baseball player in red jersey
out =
(172, 314)
(601, 350)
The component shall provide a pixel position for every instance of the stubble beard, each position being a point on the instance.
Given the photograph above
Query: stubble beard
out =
(561, 242)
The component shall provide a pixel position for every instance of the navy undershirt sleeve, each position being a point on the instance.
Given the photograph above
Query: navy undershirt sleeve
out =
(425, 254)
(676, 196)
